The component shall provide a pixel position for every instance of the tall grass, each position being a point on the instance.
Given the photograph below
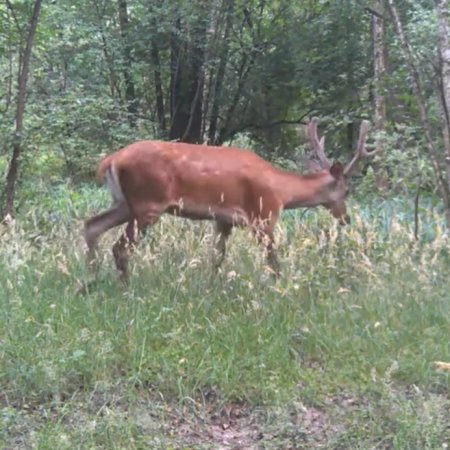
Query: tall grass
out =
(361, 311)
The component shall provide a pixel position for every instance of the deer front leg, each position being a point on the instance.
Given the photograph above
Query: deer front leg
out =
(263, 229)
(127, 242)
(123, 248)
(222, 231)
(266, 238)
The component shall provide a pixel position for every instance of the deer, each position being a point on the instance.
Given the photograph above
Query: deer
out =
(230, 186)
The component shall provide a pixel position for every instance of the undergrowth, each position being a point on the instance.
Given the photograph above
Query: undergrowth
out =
(352, 329)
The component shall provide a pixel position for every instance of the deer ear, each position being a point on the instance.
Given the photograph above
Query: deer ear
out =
(337, 170)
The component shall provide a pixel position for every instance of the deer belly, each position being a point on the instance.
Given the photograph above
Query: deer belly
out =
(235, 216)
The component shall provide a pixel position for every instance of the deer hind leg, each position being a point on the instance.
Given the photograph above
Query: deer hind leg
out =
(99, 224)
(222, 231)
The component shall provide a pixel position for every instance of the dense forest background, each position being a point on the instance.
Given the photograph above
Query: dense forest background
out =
(79, 80)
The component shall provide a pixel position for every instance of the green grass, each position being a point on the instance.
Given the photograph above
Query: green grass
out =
(338, 353)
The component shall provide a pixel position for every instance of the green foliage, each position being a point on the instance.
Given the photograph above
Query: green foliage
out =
(76, 106)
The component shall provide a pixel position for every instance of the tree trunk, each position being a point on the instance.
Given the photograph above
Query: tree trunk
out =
(218, 83)
(112, 79)
(13, 170)
(379, 73)
(227, 128)
(154, 53)
(9, 89)
(186, 85)
(177, 116)
(157, 78)
(444, 57)
(213, 35)
(442, 184)
(130, 92)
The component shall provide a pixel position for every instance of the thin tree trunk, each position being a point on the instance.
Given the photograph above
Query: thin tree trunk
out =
(13, 170)
(130, 91)
(10, 81)
(226, 130)
(218, 83)
(213, 33)
(444, 57)
(443, 187)
(192, 132)
(154, 54)
(8, 98)
(187, 80)
(379, 69)
(112, 79)
(158, 87)
(156, 61)
(176, 76)
(416, 211)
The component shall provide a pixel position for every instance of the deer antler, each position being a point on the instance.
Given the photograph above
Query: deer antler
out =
(318, 146)
(361, 151)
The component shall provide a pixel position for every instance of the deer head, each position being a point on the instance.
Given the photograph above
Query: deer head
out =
(339, 191)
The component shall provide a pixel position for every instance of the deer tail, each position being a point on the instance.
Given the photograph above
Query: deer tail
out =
(104, 166)
(108, 174)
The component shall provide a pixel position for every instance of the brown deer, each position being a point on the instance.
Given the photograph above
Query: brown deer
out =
(229, 186)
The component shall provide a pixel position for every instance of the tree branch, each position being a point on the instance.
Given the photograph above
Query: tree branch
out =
(260, 126)
(374, 13)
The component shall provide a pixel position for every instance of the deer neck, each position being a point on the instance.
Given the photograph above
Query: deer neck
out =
(296, 190)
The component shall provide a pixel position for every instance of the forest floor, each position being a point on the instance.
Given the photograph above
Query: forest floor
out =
(110, 420)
